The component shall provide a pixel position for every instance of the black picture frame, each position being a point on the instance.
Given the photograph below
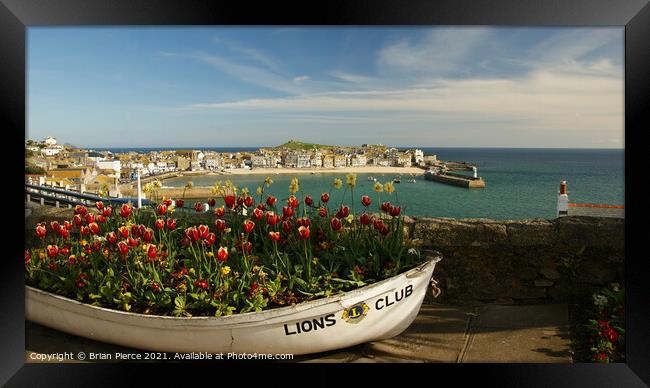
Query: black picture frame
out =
(17, 15)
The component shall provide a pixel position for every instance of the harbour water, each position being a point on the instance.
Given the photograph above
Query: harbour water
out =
(520, 183)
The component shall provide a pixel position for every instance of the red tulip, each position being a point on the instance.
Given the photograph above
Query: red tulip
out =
(365, 201)
(133, 241)
(124, 231)
(303, 232)
(248, 226)
(90, 218)
(343, 212)
(95, 246)
(202, 284)
(147, 235)
(77, 219)
(249, 201)
(261, 206)
(111, 237)
(101, 219)
(63, 232)
(230, 201)
(107, 211)
(67, 224)
(52, 265)
(152, 252)
(52, 251)
(325, 197)
(219, 212)
(258, 214)
(383, 229)
(72, 260)
(322, 212)
(126, 210)
(64, 251)
(303, 221)
(309, 200)
(358, 270)
(94, 228)
(135, 231)
(80, 209)
(336, 224)
(99, 205)
(204, 230)
(198, 207)
(123, 247)
(247, 247)
(240, 201)
(159, 224)
(27, 256)
(167, 201)
(292, 202)
(41, 230)
(274, 236)
(84, 230)
(286, 226)
(155, 287)
(171, 224)
(212, 202)
(385, 207)
(161, 209)
(192, 233)
(287, 212)
(220, 225)
(54, 226)
(180, 203)
(271, 218)
(365, 219)
(271, 200)
(395, 210)
(377, 224)
(210, 239)
(222, 254)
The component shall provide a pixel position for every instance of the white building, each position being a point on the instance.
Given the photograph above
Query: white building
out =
(115, 165)
(49, 141)
(51, 150)
(213, 162)
(418, 156)
(259, 161)
(303, 161)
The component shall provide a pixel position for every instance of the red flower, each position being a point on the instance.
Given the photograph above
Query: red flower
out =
(343, 212)
(148, 235)
(611, 334)
(152, 252)
(309, 200)
(365, 201)
(395, 210)
(80, 209)
(198, 207)
(155, 287)
(84, 230)
(210, 239)
(286, 226)
(171, 224)
(292, 202)
(64, 251)
(322, 212)
(247, 246)
(133, 242)
(67, 225)
(124, 231)
(303, 232)
(222, 254)
(365, 219)
(258, 214)
(159, 224)
(107, 211)
(161, 209)
(377, 224)
(41, 230)
(94, 228)
(54, 226)
(261, 206)
(287, 212)
(383, 229)
(123, 247)
(180, 203)
(220, 225)
(219, 212)
(90, 218)
(249, 201)
(271, 200)
(248, 226)
(80, 283)
(274, 236)
(202, 284)
(271, 218)
(77, 219)
(385, 207)
(230, 201)
(212, 202)
(600, 357)
(126, 210)
(325, 197)
(167, 201)
(27, 256)
(52, 251)
(240, 201)
(111, 238)
(336, 224)
(99, 205)
(204, 230)
(95, 246)
(192, 233)
(72, 260)
(52, 265)
(358, 270)
(101, 219)
(303, 221)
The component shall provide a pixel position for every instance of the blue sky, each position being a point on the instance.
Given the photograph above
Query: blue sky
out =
(253, 86)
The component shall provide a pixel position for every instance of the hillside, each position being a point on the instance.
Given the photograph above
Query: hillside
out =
(298, 145)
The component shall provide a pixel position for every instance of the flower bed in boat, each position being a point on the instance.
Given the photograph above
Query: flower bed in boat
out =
(256, 252)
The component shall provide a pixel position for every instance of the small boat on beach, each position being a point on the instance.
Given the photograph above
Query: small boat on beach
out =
(397, 179)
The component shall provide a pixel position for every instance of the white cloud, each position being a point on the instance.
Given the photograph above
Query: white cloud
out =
(301, 79)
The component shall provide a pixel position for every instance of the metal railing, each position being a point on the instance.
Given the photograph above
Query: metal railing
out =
(52, 196)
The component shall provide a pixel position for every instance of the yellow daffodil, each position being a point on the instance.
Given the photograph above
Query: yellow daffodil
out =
(84, 243)
(378, 187)
(350, 218)
(157, 184)
(259, 191)
(268, 181)
(225, 270)
(189, 185)
(245, 191)
(293, 186)
(389, 187)
(210, 254)
(351, 180)
(41, 255)
(338, 183)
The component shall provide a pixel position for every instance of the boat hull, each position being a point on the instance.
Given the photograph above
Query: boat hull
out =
(378, 311)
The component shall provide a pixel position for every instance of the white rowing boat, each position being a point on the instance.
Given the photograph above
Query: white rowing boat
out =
(374, 312)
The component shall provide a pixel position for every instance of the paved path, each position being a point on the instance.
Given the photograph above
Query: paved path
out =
(440, 333)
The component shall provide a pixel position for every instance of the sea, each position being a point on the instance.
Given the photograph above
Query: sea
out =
(520, 183)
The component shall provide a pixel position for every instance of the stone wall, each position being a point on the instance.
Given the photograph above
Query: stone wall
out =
(523, 261)
(504, 261)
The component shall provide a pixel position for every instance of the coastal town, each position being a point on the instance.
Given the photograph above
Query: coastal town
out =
(106, 173)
